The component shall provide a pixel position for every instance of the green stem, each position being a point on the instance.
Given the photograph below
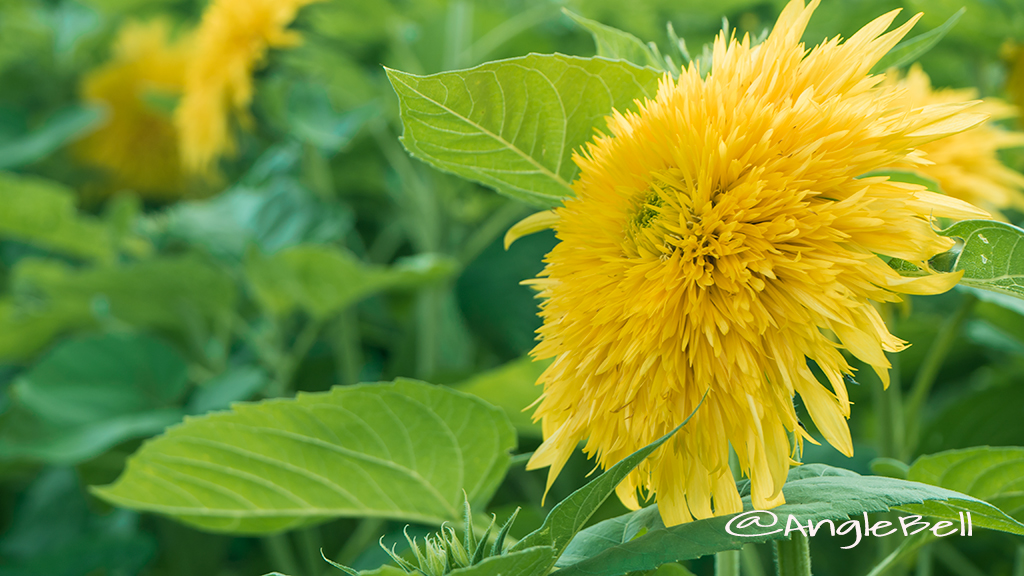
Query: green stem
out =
(497, 223)
(366, 533)
(347, 347)
(1018, 564)
(925, 561)
(421, 214)
(316, 173)
(727, 563)
(520, 459)
(750, 561)
(280, 553)
(932, 363)
(428, 323)
(507, 30)
(955, 560)
(311, 543)
(904, 551)
(290, 364)
(793, 556)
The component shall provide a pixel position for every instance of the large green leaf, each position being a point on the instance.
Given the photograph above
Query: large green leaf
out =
(324, 280)
(814, 492)
(995, 475)
(25, 435)
(404, 451)
(101, 376)
(182, 294)
(989, 416)
(514, 124)
(269, 210)
(569, 516)
(614, 43)
(91, 393)
(513, 388)
(43, 213)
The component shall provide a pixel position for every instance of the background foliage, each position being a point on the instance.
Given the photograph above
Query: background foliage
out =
(321, 254)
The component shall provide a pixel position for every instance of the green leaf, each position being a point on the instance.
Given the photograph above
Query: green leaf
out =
(511, 387)
(989, 256)
(43, 213)
(908, 51)
(273, 215)
(404, 451)
(66, 125)
(236, 384)
(184, 294)
(324, 280)
(90, 394)
(26, 436)
(618, 44)
(513, 124)
(814, 492)
(995, 475)
(312, 118)
(569, 516)
(24, 330)
(990, 416)
(95, 377)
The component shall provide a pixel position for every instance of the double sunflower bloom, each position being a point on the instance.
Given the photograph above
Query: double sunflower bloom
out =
(720, 238)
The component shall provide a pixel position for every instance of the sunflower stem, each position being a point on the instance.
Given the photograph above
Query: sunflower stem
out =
(279, 552)
(1018, 564)
(727, 563)
(933, 361)
(793, 556)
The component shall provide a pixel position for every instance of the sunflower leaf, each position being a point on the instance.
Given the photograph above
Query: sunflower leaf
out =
(323, 280)
(42, 212)
(991, 257)
(995, 475)
(513, 124)
(570, 515)
(404, 451)
(814, 493)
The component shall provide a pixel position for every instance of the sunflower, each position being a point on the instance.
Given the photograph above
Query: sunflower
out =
(1013, 54)
(138, 144)
(967, 165)
(232, 41)
(718, 241)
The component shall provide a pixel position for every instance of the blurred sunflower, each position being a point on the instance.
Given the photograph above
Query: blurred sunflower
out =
(718, 240)
(967, 165)
(138, 144)
(1013, 54)
(232, 41)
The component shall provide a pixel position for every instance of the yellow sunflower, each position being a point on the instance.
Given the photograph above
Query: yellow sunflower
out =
(718, 240)
(138, 144)
(967, 165)
(1013, 54)
(232, 41)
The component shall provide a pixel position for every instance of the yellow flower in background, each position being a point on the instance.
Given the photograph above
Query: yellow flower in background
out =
(232, 41)
(967, 165)
(1013, 53)
(718, 240)
(138, 144)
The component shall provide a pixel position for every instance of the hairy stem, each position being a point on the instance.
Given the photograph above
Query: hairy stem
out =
(793, 556)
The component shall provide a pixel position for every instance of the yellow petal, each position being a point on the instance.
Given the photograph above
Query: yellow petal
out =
(531, 224)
